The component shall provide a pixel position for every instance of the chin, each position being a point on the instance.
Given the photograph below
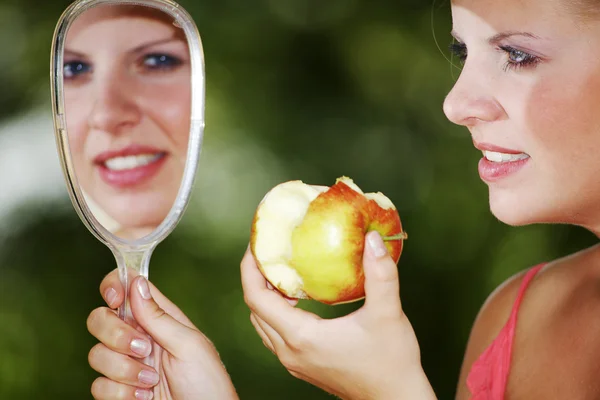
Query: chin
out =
(517, 210)
(136, 217)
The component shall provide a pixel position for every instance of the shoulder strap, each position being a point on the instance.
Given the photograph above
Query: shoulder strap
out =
(517, 304)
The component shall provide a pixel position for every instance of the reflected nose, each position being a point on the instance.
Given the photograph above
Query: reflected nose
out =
(471, 101)
(115, 107)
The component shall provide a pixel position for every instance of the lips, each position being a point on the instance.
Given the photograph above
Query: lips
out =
(130, 166)
(499, 162)
(492, 147)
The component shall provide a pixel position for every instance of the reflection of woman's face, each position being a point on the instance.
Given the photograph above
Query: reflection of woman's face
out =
(127, 94)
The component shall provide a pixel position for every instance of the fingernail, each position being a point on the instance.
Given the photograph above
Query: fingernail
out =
(269, 286)
(376, 243)
(141, 394)
(144, 289)
(148, 377)
(140, 347)
(110, 296)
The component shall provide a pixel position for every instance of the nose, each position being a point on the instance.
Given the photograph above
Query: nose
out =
(471, 100)
(115, 108)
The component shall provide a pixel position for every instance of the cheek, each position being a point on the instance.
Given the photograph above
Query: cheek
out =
(171, 110)
(76, 115)
(562, 117)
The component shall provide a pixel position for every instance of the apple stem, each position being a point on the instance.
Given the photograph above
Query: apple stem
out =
(400, 236)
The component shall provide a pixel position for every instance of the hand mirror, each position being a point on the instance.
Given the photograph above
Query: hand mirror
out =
(128, 107)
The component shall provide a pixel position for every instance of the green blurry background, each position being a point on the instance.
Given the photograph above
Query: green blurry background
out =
(296, 89)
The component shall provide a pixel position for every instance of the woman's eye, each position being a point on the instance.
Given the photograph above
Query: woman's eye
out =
(74, 69)
(160, 61)
(517, 56)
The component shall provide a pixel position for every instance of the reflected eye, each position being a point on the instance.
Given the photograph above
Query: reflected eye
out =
(73, 69)
(161, 62)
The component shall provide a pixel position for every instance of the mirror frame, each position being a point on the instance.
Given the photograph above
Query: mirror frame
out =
(185, 22)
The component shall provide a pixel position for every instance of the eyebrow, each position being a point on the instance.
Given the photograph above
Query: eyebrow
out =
(157, 42)
(135, 50)
(505, 35)
(501, 36)
(74, 53)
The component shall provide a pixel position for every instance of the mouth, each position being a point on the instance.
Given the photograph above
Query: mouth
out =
(498, 157)
(498, 162)
(122, 163)
(130, 166)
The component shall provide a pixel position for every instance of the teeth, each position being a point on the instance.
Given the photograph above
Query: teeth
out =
(494, 156)
(130, 162)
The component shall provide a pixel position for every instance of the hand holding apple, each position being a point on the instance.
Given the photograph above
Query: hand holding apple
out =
(370, 354)
(308, 240)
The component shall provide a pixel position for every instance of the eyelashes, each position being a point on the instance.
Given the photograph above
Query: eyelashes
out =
(518, 59)
(459, 50)
(515, 59)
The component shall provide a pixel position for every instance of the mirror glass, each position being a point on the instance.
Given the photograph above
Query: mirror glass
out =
(127, 97)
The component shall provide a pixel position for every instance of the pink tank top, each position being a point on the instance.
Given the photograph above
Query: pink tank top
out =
(489, 374)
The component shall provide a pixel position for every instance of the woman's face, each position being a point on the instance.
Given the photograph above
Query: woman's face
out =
(127, 92)
(529, 93)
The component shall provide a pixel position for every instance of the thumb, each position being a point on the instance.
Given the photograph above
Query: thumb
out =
(382, 286)
(169, 333)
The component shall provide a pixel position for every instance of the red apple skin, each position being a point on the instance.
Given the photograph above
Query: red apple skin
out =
(387, 223)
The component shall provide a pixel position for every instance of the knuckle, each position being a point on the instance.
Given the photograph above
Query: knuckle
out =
(157, 313)
(120, 337)
(126, 371)
(249, 301)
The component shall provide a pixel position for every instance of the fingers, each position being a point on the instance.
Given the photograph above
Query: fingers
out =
(266, 340)
(105, 389)
(172, 335)
(269, 305)
(121, 368)
(382, 286)
(116, 334)
(111, 290)
(113, 293)
(292, 302)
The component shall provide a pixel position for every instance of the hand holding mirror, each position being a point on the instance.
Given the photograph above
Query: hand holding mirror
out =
(128, 106)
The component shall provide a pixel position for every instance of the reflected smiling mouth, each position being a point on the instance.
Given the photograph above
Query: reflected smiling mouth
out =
(130, 157)
(130, 166)
(129, 162)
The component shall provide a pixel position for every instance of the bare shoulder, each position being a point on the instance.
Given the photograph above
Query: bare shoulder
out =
(558, 326)
(489, 321)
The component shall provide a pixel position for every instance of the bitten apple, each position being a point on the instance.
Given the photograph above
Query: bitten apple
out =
(308, 240)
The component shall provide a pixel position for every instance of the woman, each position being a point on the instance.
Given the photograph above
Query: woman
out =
(528, 94)
(127, 83)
